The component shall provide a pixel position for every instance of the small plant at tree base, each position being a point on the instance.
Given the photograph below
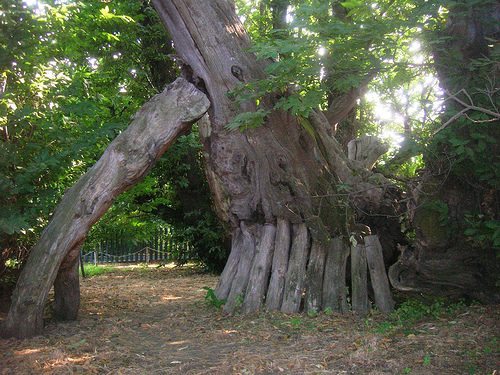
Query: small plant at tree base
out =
(239, 300)
(413, 310)
(12, 263)
(212, 300)
(427, 359)
(472, 369)
(328, 311)
(296, 322)
(312, 313)
(384, 327)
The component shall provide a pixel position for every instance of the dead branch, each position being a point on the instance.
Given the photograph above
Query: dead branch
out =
(467, 107)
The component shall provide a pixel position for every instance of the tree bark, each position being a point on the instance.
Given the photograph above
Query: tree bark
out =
(334, 284)
(280, 266)
(238, 285)
(124, 163)
(259, 274)
(314, 278)
(378, 275)
(67, 286)
(366, 149)
(296, 274)
(359, 280)
(231, 268)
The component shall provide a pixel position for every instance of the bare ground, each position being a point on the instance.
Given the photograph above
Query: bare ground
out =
(156, 321)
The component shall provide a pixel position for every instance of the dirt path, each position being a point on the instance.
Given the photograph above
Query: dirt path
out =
(156, 321)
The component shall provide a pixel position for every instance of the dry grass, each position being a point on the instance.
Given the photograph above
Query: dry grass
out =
(155, 321)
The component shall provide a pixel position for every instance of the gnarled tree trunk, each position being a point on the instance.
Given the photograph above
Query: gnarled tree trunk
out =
(276, 186)
(125, 162)
(443, 260)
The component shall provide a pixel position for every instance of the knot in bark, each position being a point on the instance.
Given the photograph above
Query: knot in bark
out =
(238, 73)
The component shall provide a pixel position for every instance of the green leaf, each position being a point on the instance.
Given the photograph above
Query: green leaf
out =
(470, 232)
(459, 142)
(248, 120)
(105, 13)
(351, 4)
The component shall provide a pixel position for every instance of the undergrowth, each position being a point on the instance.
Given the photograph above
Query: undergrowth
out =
(414, 310)
(211, 299)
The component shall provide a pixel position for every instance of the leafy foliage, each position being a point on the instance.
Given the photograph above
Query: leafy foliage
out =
(74, 74)
(188, 208)
(71, 77)
(212, 300)
(466, 143)
(414, 310)
(330, 48)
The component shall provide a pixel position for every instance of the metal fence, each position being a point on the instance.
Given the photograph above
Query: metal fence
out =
(160, 247)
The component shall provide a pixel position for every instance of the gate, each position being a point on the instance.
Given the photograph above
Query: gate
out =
(160, 247)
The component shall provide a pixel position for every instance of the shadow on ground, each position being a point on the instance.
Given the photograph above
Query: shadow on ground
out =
(156, 321)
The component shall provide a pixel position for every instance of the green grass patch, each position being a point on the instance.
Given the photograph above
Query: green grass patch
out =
(96, 270)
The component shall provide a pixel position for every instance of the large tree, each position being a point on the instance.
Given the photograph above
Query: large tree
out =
(71, 77)
(280, 187)
(276, 186)
(55, 258)
(297, 206)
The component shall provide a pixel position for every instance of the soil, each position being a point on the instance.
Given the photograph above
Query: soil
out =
(158, 321)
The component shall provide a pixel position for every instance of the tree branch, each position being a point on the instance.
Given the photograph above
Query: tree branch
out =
(467, 107)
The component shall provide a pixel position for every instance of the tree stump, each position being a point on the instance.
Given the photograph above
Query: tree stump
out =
(367, 150)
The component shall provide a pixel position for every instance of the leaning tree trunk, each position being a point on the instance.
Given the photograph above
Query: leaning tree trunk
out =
(126, 161)
(275, 186)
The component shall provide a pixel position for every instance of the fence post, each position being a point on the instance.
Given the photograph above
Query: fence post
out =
(161, 254)
(147, 255)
